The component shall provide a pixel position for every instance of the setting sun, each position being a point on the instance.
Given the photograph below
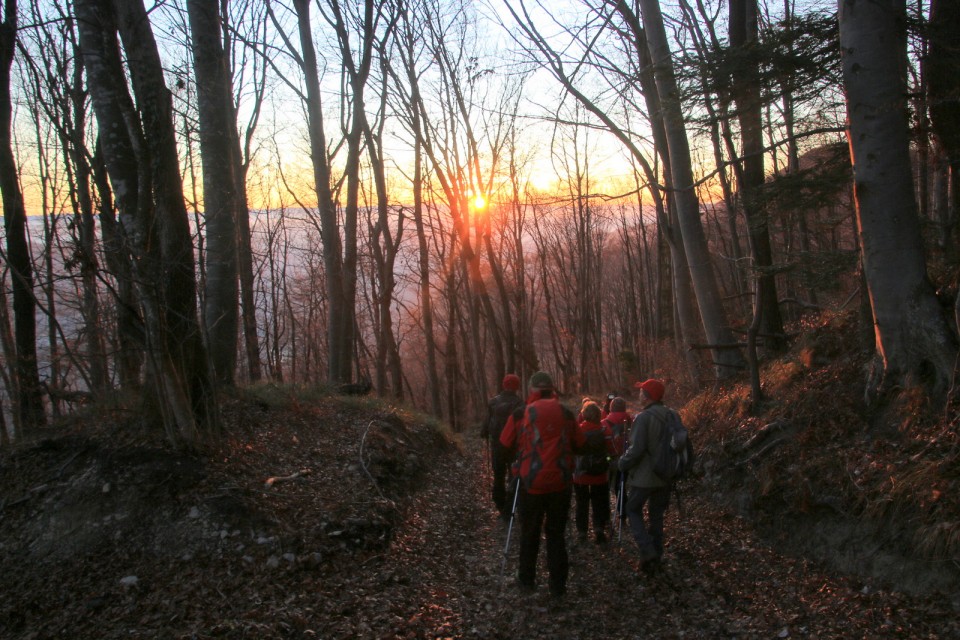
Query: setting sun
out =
(479, 202)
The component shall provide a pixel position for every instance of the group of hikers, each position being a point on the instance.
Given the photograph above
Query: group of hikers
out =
(542, 454)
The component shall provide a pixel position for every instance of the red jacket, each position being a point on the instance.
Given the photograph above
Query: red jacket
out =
(545, 438)
(619, 423)
(585, 427)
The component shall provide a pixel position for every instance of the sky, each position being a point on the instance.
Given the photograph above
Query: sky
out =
(280, 140)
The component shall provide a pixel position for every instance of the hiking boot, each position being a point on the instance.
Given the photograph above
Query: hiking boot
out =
(558, 591)
(651, 567)
(526, 587)
(647, 555)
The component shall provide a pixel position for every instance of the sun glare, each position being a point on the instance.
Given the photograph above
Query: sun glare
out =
(479, 202)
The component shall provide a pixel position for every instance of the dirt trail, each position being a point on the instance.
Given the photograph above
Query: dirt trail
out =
(719, 581)
(327, 554)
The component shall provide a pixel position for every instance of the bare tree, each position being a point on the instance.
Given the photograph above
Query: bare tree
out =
(913, 341)
(145, 177)
(220, 191)
(28, 406)
(244, 60)
(726, 354)
(942, 69)
(61, 114)
(664, 200)
(746, 92)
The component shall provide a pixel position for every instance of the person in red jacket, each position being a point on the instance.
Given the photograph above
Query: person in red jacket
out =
(591, 478)
(619, 421)
(545, 437)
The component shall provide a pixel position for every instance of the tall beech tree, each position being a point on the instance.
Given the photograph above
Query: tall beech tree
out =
(942, 71)
(727, 356)
(28, 406)
(750, 174)
(220, 190)
(140, 154)
(914, 343)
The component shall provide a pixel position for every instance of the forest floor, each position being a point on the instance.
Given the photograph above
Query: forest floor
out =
(335, 519)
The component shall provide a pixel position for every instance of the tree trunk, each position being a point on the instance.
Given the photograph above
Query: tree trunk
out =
(220, 191)
(942, 70)
(423, 261)
(130, 331)
(356, 73)
(746, 92)
(728, 359)
(248, 305)
(89, 267)
(55, 380)
(144, 172)
(913, 340)
(338, 313)
(679, 281)
(28, 405)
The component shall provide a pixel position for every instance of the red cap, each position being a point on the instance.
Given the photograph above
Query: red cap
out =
(511, 382)
(653, 389)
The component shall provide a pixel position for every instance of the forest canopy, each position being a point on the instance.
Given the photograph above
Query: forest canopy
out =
(415, 197)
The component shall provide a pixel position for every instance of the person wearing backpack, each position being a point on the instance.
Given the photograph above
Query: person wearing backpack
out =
(606, 405)
(591, 477)
(618, 421)
(545, 438)
(499, 409)
(644, 486)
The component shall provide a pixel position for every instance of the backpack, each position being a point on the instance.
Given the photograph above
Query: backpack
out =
(593, 461)
(621, 435)
(545, 463)
(674, 456)
(501, 407)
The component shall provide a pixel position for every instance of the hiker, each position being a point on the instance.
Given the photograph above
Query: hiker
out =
(499, 409)
(618, 420)
(545, 437)
(583, 403)
(591, 478)
(606, 405)
(644, 487)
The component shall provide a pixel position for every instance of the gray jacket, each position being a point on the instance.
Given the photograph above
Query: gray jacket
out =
(644, 438)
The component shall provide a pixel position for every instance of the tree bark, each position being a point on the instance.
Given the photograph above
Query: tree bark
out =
(746, 92)
(28, 406)
(145, 176)
(942, 70)
(220, 191)
(913, 340)
(245, 259)
(727, 361)
(89, 265)
(338, 313)
(356, 72)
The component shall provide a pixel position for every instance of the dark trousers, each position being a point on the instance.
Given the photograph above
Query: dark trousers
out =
(544, 512)
(500, 464)
(617, 483)
(648, 537)
(597, 497)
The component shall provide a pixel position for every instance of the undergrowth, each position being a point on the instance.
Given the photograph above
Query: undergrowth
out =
(814, 450)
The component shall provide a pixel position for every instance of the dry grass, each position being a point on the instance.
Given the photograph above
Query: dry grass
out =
(815, 447)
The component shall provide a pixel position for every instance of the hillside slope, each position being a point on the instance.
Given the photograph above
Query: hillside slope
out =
(869, 490)
(334, 518)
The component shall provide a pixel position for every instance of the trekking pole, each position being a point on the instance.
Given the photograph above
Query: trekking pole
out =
(513, 513)
(621, 507)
